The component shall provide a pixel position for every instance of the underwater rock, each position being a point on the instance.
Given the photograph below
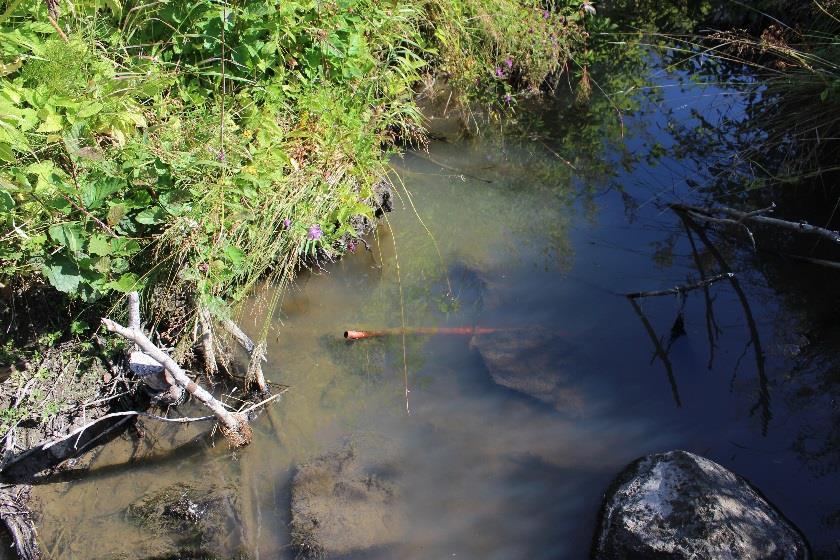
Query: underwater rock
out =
(188, 517)
(340, 507)
(677, 505)
(533, 361)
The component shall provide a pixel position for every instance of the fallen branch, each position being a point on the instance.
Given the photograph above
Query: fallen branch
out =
(682, 289)
(207, 342)
(255, 372)
(256, 351)
(243, 339)
(811, 260)
(187, 420)
(233, 425)
(737, 217)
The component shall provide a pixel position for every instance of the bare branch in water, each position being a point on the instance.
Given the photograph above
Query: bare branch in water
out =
(737, 217)
(663, 355)
(682, 289)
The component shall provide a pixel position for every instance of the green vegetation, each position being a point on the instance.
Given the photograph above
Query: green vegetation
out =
(192, 148)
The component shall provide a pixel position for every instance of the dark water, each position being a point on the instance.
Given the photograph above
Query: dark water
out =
(500, 232)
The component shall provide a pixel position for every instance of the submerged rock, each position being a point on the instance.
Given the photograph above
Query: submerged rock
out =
(532, 361)
(340, 507)
(678, 505)
(187, 517)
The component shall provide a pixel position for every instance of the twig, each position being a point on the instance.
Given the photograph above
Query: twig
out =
(659, 351)
(134, 310)
(58, 29)
(186, 420)
(210, 365)
(682, 289)
(821, 262)
(763, 383)
(707, 214)
(178, 374)
(737, 223)
(243, 339)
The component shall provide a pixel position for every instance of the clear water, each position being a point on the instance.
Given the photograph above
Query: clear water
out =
(523, 239)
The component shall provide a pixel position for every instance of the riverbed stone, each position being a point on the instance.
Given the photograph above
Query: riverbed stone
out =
(534, 361)
(340, 506)
(185, 516)
(677, 505)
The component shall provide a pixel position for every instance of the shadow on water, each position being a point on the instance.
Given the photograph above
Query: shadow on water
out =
(570, 222)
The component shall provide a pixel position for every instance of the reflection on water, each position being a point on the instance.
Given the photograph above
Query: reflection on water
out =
(511, 236)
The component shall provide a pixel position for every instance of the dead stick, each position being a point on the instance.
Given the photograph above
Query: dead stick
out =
(255, 371)
(210, 365)
(243, 339)
(187, 420)
(178, 374)
(802, 227)
(682, 289)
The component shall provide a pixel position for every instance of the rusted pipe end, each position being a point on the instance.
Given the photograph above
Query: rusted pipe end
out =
(354, 335)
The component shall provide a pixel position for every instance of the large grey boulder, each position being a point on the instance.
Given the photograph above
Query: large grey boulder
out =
(678, 505)
(341, 506)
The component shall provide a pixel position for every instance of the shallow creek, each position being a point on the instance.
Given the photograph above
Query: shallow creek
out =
(511, 236)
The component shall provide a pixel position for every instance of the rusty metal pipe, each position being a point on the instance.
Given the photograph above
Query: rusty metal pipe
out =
(463, 331)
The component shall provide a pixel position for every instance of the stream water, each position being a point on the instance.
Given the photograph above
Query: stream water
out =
(500, 232)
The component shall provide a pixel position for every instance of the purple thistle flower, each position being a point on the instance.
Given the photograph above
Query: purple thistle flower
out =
(287, 223)
(545, 14)
(499, 72)
(509, 62)
(315, 232)
(508, 98)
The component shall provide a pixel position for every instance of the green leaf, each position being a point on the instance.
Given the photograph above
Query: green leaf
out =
(95, 193)
(235, 255)
(90, 109)
(151, 216)
(63, 274)
(127, 283)
(52, 123)
(138, 119)
(7, 203)
(124, 247)
(68, 235)
(6, 153)
(99, 245)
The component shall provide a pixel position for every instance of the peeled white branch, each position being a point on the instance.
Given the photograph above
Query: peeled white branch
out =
(234, 426)
(256, 351)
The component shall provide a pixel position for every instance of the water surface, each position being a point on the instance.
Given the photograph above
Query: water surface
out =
(499, 232)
